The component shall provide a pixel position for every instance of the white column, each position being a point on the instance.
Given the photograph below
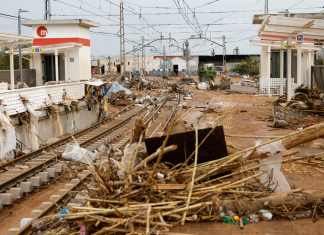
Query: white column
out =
(56, 66)
(263, 62)
(309, 70)
(66, 66)
(299, 64)
(12, 70)
(31, 62)
(281, 68)
(289, 91)
(269, 69)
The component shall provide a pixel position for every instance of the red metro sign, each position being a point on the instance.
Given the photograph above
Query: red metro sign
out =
(42, 31)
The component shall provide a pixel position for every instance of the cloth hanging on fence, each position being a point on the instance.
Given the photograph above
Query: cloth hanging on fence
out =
(59, 126)
(33, 128)
(7, 136)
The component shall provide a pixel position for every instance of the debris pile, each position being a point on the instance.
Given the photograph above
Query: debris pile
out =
(148, 195)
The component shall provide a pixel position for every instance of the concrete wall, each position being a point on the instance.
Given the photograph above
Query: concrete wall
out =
(129, 63)
(158, 64)
(84, 64)
(71, 122)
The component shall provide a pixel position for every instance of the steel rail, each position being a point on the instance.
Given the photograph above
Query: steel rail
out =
(37, 152)
(27, 229)
(27, 174)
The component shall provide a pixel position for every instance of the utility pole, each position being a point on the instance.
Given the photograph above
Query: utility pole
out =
(20, 55)
(109, 64)
(236, 51)
(224, 55)
(186, 54)
(143, 59)
(137, 62)
(266, 7)
(165, 64)
(47, 15)
(122, 41)
(133, 67)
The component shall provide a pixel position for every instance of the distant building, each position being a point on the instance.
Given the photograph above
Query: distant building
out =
(217, 61)
(133, 63)
(176, 65)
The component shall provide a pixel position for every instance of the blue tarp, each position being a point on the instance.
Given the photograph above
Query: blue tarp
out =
(116, 88)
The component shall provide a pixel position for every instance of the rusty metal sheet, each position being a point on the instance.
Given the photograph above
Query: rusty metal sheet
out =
(213, 148)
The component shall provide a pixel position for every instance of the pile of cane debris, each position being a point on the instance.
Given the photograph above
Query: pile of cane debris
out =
(152, 196)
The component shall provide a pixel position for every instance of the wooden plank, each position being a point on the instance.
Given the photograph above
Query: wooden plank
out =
(169, 186)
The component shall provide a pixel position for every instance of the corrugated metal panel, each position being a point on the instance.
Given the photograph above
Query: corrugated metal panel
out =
(39, 96)
(13, 102)
(75, 90)
(56, 93)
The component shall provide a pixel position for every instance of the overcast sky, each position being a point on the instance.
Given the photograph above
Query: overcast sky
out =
(233, 18)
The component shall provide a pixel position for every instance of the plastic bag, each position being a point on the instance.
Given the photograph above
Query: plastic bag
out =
(73, 153)
(142, 153)
(7, 136)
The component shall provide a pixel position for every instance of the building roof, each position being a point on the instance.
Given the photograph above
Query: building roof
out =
(277, 44)
(280, 28)
(7, 39)
(50, 49)
(258, 19)
(81, 22)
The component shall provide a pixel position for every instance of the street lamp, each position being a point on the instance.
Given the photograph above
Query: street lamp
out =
(20, 56)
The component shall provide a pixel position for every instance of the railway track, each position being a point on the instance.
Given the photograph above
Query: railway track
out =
(69, 197)
(31, 170)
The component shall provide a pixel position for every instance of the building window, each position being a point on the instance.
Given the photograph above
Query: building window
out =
(114, 63)
(128, 63)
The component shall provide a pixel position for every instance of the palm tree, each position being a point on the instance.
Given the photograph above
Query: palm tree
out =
(207, 73)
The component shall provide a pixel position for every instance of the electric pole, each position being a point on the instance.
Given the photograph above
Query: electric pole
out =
(143, 59)
(186, 54)
(133, 67)
(122, 41)
(109, 64)
(224, 55)
(164, 55)
(20, 55)
(266, 7)
(47, 15)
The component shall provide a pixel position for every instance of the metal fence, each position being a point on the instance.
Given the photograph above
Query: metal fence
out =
(28, 75)
(318, 76)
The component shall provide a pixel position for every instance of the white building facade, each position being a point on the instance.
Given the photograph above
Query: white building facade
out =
(61, 49)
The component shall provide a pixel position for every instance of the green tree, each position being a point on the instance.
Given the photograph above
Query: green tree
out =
(207, 73)
(250, 66)
(5, 60)
(319, 60)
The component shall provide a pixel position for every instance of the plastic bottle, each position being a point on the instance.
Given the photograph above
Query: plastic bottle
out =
(83, 230)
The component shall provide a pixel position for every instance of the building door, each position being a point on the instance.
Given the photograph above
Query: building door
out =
(50, 73)
(275, 72)
(48, 68)
(176, 68)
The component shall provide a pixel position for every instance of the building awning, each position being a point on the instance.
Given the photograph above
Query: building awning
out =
(7, 39)
(277, 44)
(50, 49)
(280, 28)
(10, 40)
